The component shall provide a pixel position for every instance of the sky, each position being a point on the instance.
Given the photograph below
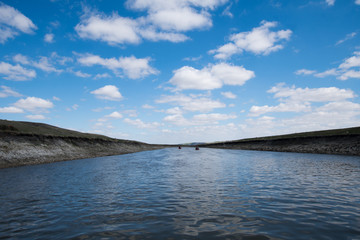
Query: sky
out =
(179, 71)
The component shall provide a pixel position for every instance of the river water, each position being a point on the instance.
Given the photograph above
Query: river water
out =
(184, 194)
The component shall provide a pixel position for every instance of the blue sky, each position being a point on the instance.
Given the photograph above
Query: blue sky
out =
(175, 71)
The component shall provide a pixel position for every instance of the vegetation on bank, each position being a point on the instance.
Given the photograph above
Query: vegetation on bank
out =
(324, 133)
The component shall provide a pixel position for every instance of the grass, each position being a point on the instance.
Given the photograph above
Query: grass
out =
(324, 133)
(32, 128)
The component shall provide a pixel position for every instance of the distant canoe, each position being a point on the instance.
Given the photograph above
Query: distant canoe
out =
(197, 148)
(179, 147)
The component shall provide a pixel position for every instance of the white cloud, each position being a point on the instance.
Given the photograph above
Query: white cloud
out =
(121, 30)
(147, 106)
(12, 21)
(44, 63)
(113, 30)
(349, 74)
(229, 95)
(115, 115)
(260, 40)
(21, 59)
(180, 19)
(191, 78)
(11, 110)
(34, 104)
(103, 75)
(198, 120)
(351, 62)
(192, 103)
(330, 2)
(282, 107)
(8, 92)
(311, 94)
(347, 37)
(35, 117)
(211, 77)
(357, 2)
(56, 98)
(299, 99)
(49, 38)
(175, 15)
(131, 66)
(332, 115)
(212, 118)
(343, 72)
(108, 92)
(174, 111)
(16, 72)
(165, 20)
(140, 124)
(62, 60)
(305, 72)
(72, 108)
(79, 73)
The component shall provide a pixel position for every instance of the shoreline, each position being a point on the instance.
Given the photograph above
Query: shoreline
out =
(337, 144)
(30, 149)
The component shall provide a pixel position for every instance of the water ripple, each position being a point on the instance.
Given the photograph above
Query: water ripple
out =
(184, 194)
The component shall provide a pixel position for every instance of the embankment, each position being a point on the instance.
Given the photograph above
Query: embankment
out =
(336, 144)
(27, 149)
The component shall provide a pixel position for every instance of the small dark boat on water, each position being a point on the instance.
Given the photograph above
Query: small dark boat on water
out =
(179, 147)
(197, 148)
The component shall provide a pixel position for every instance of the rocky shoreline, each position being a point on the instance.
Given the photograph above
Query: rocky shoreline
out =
(28, 149)
(339, 144)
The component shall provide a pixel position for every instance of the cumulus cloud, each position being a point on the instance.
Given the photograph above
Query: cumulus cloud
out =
(8, 92)
(331, 115)
(113, 30)
(211, 118)
(115, 115)
(11, 110)
(78, 73)
(108, 92)
(311, 94)
(282, 107)
(211, 77)
(305, 72)
(199, 119)
(102, 75)
(35, 117)
(44, 63)
(12, 22)
(49, 38)
(294, 99)
(147, 106)
(357, 2)
(351, 62)
(140, 124)
(165, 20)
(229, 95)
(132, 67)
(330, 2)
(16, 72)
(192, 103)
(260, 40)
(349, 68)
(34, 104)
(19, 58)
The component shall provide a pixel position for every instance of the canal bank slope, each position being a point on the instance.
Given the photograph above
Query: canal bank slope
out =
(27, 143)
(339, 141)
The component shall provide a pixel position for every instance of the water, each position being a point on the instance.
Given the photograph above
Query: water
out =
(184, 194)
